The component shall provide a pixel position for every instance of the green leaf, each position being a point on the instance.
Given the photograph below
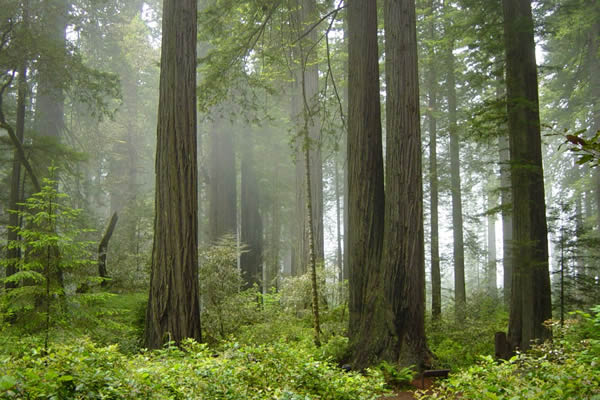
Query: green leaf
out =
(7, 382)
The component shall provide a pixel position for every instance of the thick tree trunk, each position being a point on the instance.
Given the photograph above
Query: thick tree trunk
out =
(460, 298)
(403, 254)
(530, 301)
(252, 228)
(436, 280)
(173, 311)
(365, 188)
(222, 215)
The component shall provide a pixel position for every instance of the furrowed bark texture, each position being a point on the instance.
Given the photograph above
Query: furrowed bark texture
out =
(530, 302)
(404, 254)
(173, 311)
(365, 182)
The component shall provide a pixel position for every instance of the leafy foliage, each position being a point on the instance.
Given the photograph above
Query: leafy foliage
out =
(567, 368)
(278, 370)
(51, 244)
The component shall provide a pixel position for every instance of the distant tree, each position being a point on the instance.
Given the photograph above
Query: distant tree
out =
(460, 296)
(173, 311)
(222, 184)
(436, 280)
(251, 260)
(530, 301)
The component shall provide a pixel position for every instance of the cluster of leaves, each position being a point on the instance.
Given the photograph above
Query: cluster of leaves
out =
(278, 370)
(587, 149)
(566, 368)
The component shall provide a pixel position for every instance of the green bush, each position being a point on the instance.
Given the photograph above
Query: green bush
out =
(275, 371)
(566, 368)
(459, 345)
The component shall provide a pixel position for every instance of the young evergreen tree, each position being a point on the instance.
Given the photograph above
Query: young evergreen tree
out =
(173, 311)
(530, 301)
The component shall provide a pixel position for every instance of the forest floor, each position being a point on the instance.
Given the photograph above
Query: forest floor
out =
(408, 393)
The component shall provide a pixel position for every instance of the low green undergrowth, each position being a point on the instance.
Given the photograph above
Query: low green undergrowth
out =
(83, 370)
(458, 345)
(566, 368)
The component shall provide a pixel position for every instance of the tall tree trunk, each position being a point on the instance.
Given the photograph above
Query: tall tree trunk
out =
(173, 311)
(365, 185)
(222, 215)
(273, 268)
(491, 236)
(436, 280)
(530, 301)
(13, 254)
(594, 74)
(252, 228)
(460, 298)
(403, 254)
(338, 219)
(506, 201)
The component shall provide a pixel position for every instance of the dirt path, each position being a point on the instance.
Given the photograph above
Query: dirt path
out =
(407, 394)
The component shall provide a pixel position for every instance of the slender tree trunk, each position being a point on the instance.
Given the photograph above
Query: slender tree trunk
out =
(491, 236)
(338, 216)
(506, 201)
(403, 254)
(13, 254)
(436, 280)
(530, 301)
(460, 298)
(173, 311)
(311, 241)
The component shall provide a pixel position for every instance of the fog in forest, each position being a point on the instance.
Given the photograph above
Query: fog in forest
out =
(386, 182)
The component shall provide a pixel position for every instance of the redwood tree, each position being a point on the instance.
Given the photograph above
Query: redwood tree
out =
(530, 300)
(173, 311)
(404, 258)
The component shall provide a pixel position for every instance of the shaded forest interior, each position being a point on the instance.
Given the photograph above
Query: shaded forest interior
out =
(299, 198)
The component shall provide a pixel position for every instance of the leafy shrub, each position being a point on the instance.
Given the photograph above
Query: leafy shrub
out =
(395, 376)
(225, 308)
(457, 345)
(566, 368)
(275, 371)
